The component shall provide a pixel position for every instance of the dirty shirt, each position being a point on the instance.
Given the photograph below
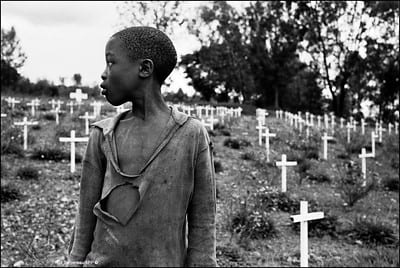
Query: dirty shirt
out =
(160, 215)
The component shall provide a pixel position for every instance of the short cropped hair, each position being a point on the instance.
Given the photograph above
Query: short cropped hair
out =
(144, 42)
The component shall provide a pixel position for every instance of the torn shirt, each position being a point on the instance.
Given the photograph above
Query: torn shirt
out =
(127, 219)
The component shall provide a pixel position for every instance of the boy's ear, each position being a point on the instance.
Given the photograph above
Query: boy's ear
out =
(146, 68)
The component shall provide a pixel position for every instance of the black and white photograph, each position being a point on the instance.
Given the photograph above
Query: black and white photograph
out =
(200, 133)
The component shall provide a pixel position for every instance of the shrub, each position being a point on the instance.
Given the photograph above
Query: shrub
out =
(11, 140)
(317, 173)
(54, 154)
(351, 186)
(9, 193)
(49, 116)
(27, 173)
(253, 225)
(371, 232)
(248, 156)
(355, 145)
(236, 143)
(391, 183)
(218, 166)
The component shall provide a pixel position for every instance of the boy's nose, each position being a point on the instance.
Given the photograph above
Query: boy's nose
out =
(104, 75)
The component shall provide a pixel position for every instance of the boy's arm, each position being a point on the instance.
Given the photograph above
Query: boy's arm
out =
(202, 210)
(93, 170)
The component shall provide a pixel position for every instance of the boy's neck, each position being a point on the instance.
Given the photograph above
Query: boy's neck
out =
(149, 104)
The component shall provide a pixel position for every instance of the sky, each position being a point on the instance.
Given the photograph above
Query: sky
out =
(61, 38)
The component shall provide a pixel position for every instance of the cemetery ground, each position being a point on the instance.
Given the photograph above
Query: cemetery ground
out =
(360, 225)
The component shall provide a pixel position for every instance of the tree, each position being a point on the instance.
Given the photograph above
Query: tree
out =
(77, 79)
(163, 15)
(11, 51)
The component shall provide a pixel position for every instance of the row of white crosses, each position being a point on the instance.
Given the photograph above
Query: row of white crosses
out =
(303, 217)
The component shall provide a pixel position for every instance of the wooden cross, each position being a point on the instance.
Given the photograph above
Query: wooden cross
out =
(303, 218)
(72, 140)
(325, 138)
(284, 164)
(96, 108)
(373, 137)
(390, 125)
(260, 128)
(87, 117)
(333, 123)
(34, 103)
(362, 126)
(363, 157)
(341, 122)
(71, 109)
(25, 123)
(12, 101)
(348, 126)
(53, 103)
(380, 130)
(209, 124)
(267, 135)
(78, 95)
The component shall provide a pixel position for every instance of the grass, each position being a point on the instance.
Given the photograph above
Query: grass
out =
(38, 233)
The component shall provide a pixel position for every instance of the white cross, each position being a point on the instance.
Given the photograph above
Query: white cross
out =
(319, 121)
(71, 108)
(380, 130)
(341, 122)
(25, 123)
(373, 137)
(3, 115)
(267, 135)
(12, 101)
(284, 164)
(72, 140)
(376, 126)
(301, 121)
(87, 117)
(78, 95)
(390, 125)
(96, 108)
(325, 138)
(354, 125)
(363, 157)
(199, 111)
(209, 124)
(396, 128)
(312, 119)
(363, 126)
(303, 218)
(308, 126)
(260, 128)
(59, 102)
(326, 121)
(348, 126)
(53, 103)
(34, 103)
(333, 123)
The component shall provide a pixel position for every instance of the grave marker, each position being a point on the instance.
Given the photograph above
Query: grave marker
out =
(363, 157)
(325, 138)
(373, 137)
(78, 96)
(87, 117)
(25, 123)
(348, 126)
(267, 135)
(285, 164)
(34, 103)
(12, 101)
(380, 130)
(303, 218)
(260, 128)
(72, 140)
(71, 106)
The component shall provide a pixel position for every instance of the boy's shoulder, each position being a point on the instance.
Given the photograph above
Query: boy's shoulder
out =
(108, 124)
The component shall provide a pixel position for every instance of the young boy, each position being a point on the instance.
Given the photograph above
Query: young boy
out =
(147, 173)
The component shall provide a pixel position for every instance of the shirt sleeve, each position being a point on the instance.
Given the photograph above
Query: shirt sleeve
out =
(93, 170)
(202, 209)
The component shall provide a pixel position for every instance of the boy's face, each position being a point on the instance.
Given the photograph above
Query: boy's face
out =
(120, 78)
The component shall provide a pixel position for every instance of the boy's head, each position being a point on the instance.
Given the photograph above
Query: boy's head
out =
(143, 42)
